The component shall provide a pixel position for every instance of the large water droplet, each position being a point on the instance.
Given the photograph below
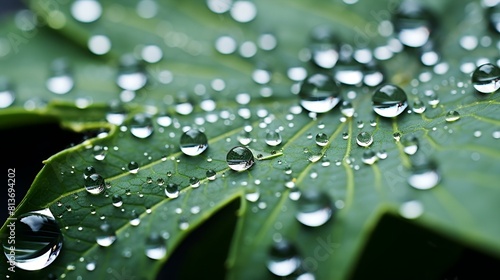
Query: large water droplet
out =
(319, 93)
(321, 139)
(155, 247)
(424, 174)
(324, 47)
(106, 235)
(413, 24)
(86, 10)
(364, 139)
(94, 184)
(61, 81)
(389, 100)
(141, 126)
(410, 144)
(131, 75)
(240, 158)
(314, 208)
(273, 138)
(7, 95)
(283, 258)
(172, 190)
(193, 142)
(452, 116)
(486, 78)
(38, 241)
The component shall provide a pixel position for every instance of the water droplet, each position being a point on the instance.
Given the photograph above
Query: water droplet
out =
(321, 139)
(244, 137)
(369, 157)
(133, 167)
(243, 11)
(396, 136)
(86, 10)
(155, 247)
(418, 106)
(410, 144)
(164, 120)
(452, 116)
(61, 81)
(314, 208)
(117, 200)
(99, 152)
(172, 190)
(38, 241)
(131, 76)
(94, 184)
(7, 95)
(319, 93)
(193, 142)
(486, 78)
(411, 209)
(364, 139)
(219, 6)
(116, 114)
(424, 174)
(106, 235)
(283, 258)
(413, 24)
(151, 53)
(252, 193)
(382, 154)
(141, 126)
(211, 174)
(194, 182)
(99, 44)
(90, 266)
(324, 47)
(389, 100)
(347, 109)
(135, 220)
(240, 158)
(493, 14)
(273, 138)
(89, 170)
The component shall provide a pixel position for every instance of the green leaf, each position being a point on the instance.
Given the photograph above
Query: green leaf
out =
(461, 208)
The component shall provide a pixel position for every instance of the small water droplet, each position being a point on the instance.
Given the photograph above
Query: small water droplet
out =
(314, 208)
(324, 47)
(411, 209)
(252, 193)
(94, 184)
(155, 247)
(369, 157)
(194, 182)
(273, 138)
(60, 81)
(133, 167)
(382, 154)
(319, 93)
(193, 142)
(141, 126)
(131, 75)
(424, 174)
(410, 144)
(413, 24)
(106, 235)
(135, 220)
(86, 10)
(7, 95)
(347, 109)
(240, 158)
(90, 266)
(99, 152)
(243, 11)
(38, 241)
(418, 106)
(486, 78)
(172, 190)
(396, 136)
(364, 139)
(117, 200)
(321, 139)
(283, 258)
(244, 137)
(452, 116)
(211, 174)
(389, 100)
(160, 181)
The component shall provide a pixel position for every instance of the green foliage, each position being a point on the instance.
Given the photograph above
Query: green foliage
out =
(368, 200)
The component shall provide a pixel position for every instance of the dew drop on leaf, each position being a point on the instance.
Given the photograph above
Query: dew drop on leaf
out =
(86, 11)
(240, 158)
(314, 208)
(38, 241)
(283, 258)
(486, 78)
(319, 93)
(99, 152)
(389, 100)
(324, 47)
(243, 11)
(90, 266)
(252, 193)
(418, 106)
(172, 190)
(321, 139)
(133, 167)
(193, 142)
(61, 81)
(106, 235)
(347, 109)
(7, 95)
(424, 174)
(89, 170)
(413, 24)
(135, 220)
(273, 138)
(410, 144)
(131, 75)
(141, 126)
(369, 157)
(211, 174)
(99, 44)
(452, 116)
(117, 200)
(411, 209)
(364, 139)
(155, 247)
(94, 184)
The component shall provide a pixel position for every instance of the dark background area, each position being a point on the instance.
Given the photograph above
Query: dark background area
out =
(388, 255)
